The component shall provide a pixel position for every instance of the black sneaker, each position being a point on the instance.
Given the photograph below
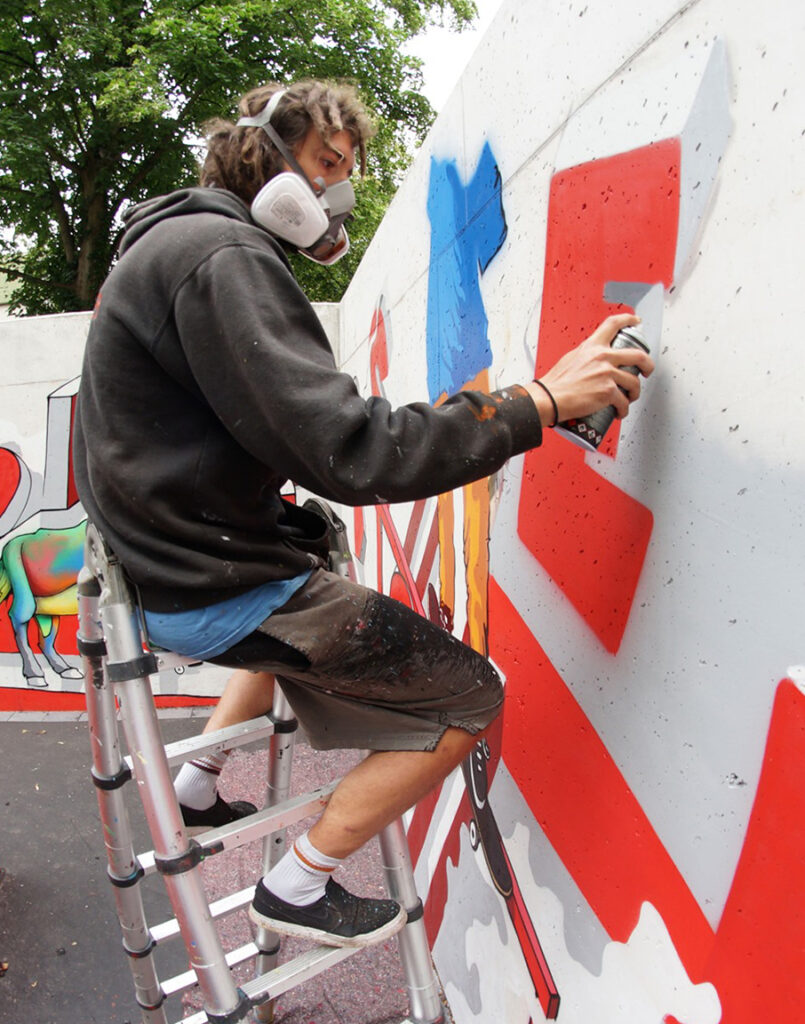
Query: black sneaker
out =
(221, 813)
(337, 919)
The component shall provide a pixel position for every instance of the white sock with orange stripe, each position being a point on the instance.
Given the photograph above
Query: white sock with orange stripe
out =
(196, 784)
(301, 876)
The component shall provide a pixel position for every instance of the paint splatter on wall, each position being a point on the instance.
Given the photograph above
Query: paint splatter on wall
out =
(622, 847)
(595, 858)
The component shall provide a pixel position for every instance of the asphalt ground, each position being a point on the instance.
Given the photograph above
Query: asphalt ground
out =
(61, 957)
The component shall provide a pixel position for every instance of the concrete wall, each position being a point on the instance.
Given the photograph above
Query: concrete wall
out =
(639, 853)
(41, 518)
(628, 845)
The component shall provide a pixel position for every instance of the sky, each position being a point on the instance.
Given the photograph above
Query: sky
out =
(446, 53)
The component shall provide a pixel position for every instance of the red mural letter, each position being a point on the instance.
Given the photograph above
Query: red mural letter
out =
(10, 479)
(611, 220)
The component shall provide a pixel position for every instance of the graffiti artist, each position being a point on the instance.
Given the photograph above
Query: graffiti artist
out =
(208, 382)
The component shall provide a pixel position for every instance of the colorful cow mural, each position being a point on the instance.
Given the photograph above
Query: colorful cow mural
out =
(41, 551)
(627, 844)
(39, 571)
(42, 528)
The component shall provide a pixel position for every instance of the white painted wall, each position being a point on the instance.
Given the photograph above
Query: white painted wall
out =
(715, 450)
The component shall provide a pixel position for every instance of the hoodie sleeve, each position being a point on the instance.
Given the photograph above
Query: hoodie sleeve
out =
(263, 362)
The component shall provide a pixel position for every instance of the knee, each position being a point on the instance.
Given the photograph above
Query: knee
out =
(491, 691)
(497, 693)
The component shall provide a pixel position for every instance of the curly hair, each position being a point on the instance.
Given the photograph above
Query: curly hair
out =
(242, 159)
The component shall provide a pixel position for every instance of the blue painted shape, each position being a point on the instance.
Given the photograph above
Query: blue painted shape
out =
(468, 227)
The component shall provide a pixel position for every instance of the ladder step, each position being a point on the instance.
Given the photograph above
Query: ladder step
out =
(214, 742)
(220, 908)
(181, 982)
(255, 826)
(303, 967)
(285, 977)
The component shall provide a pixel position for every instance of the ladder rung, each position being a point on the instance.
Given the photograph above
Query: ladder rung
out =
(285, 977)
(220, 908)
(303, 967)
(213, 742)
(181, 982)
(247, 830)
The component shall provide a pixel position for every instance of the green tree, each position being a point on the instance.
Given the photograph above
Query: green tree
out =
(102, 104)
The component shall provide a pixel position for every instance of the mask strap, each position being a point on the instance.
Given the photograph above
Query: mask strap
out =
(262, 120)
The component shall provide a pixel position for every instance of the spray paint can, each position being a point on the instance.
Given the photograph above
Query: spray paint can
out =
(588, 432)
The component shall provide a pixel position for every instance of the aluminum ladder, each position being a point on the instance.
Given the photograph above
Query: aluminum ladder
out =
(118, 666)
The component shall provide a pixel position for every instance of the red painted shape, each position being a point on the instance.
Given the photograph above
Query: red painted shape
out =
(614, 219)
(72, 490)
(10, 476)
(13, 698)
(7, 641)
(437, 893)
(378, 351)
(531, 947)
(758, 963)
(22, 698)
(420, 823)
(581, 800)
(428, 557)
(412, 530)
(398, 590)
(386, 522)
(359, 533)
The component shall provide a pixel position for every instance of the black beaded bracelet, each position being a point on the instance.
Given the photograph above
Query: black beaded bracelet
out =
(553, 402)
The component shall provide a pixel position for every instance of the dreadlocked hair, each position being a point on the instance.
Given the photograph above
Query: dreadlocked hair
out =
(243, 159)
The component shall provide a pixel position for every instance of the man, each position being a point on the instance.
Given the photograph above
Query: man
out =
(208, 381)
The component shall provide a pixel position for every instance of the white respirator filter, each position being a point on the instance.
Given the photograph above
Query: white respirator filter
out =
(287, 207)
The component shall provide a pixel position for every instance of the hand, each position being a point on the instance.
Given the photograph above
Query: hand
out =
(589, 377)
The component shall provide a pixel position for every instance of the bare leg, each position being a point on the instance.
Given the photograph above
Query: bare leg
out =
(381, 788)
(246, 695)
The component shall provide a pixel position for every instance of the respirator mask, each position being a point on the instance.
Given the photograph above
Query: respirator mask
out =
(308, 214)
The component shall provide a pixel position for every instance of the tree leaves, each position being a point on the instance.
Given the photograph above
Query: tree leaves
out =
(102, 104)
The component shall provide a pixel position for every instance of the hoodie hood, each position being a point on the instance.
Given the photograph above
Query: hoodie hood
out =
(141, 218)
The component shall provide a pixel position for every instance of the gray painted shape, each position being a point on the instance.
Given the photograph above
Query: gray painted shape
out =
(647, 301)
(470, 900)
(704, 141)
(584, 934)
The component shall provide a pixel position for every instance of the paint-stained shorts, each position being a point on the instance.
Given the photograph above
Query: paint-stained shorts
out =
(362, 670)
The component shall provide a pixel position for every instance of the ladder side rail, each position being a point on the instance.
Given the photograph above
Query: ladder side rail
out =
(176, 857)
(280, 762)
(109, 774)
(423, 987)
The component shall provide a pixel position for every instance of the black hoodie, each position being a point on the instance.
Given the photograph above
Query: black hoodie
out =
(208, 382)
